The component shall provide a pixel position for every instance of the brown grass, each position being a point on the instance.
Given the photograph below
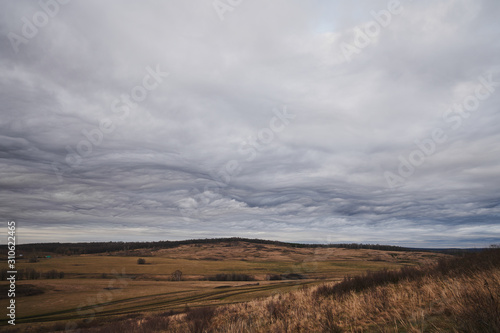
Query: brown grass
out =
(466, 301)
(465, 304)
(246, 251)
(456, 295)
(88, 278)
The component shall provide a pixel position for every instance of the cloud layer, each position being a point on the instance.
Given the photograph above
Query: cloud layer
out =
(374, 122)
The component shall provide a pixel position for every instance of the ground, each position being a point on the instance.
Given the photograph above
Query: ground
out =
(111, 284)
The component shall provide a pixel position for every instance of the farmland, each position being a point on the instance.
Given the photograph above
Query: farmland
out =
(106, 285)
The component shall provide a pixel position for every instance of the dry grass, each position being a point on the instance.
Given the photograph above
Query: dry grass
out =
(88, 277)
(245, 251)
(161, 268)
(464, 304)
(74, 299)
(457, 301)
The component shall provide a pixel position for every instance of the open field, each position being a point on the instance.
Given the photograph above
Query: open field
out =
(161, 268)
(114, 284)
(78, 298)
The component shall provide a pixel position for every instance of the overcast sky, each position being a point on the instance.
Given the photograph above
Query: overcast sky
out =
(307, 121)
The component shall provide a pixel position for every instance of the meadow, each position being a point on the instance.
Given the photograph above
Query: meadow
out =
(99, 287)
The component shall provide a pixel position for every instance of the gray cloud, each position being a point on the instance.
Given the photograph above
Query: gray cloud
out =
(161, 172)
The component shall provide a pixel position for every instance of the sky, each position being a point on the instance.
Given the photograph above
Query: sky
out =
(302, 121)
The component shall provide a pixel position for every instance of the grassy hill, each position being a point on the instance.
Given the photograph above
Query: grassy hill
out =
(452, 295)
(290, 289)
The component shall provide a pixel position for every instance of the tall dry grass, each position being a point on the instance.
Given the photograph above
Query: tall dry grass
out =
(457, 295)
(458, 304)
(460, 295)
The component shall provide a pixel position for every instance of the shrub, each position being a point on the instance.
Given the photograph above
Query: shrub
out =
(290, 276)
(293, 276)
(231, 277)
(370, 279)
(141, 261)
(53, 274)
(21, 290)
(200, 319)
(486, 298)
(453, 267)
(29, 274)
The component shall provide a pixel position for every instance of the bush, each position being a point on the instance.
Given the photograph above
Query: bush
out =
(290, 276)
(200, 319)
(29, 274)
(231, 277)
(53, 274)
(293, 276)
(486, 298)
(370, 279)
(21, 290)
(455, 266)
(141, 261)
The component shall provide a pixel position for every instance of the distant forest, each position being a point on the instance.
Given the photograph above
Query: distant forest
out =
(103, 247)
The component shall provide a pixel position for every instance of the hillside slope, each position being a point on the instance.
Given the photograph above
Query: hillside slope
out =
(455, 295)
(246, 251)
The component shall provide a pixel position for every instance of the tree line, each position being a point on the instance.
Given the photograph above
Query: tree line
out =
(103, 247)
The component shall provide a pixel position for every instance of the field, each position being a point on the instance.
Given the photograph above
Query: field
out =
(112, 285)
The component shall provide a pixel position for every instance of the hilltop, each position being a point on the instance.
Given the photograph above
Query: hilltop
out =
(452, 295)
(102, 247)
(162, 282)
